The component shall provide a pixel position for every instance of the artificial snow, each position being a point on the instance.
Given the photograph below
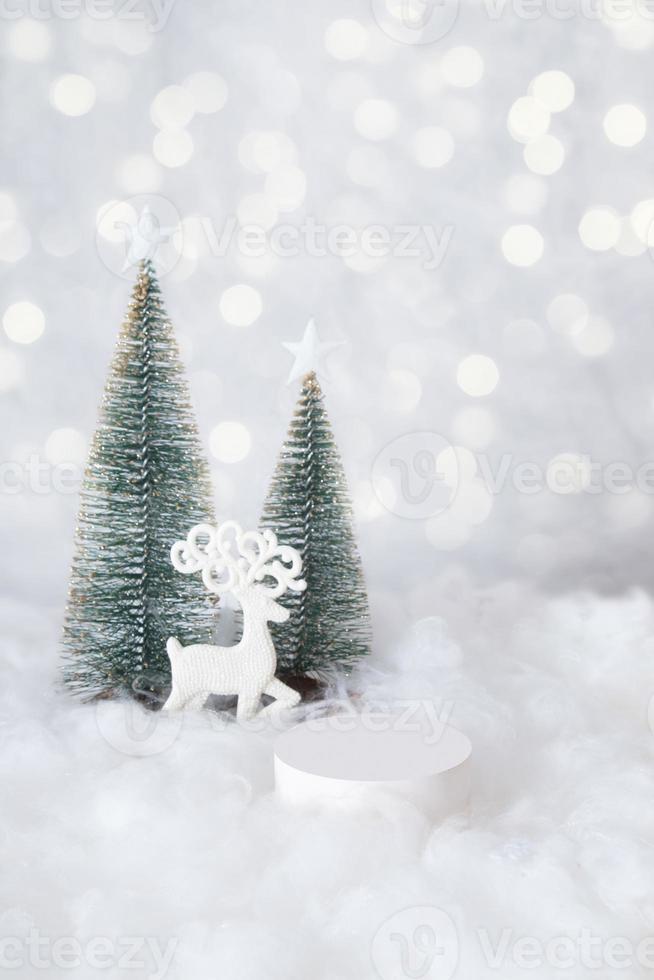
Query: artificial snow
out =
(151, 845)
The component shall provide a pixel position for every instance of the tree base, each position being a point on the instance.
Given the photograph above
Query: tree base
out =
(309, 688)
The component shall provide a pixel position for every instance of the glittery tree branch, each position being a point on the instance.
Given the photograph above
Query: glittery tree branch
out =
(308, 507)
(146, 483)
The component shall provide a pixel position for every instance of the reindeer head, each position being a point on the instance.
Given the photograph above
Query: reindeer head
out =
(250, 565)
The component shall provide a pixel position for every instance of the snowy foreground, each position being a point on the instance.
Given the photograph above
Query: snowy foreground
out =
(138, 846)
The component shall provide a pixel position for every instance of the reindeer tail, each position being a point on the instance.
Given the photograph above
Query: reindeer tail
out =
(173, 647)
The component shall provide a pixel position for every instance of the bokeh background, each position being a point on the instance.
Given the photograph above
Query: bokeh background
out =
(519, 135)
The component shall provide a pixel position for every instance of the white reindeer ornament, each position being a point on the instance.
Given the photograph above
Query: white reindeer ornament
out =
(243, 563)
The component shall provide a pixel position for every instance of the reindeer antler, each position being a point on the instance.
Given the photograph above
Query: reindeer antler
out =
(259, 557)
(268, 559)
(220, 571)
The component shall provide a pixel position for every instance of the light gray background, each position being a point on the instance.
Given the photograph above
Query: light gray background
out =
(407, 328)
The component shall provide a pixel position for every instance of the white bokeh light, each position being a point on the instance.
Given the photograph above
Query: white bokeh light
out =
(595, 339)
(8, 210)
(642, 221)
(433, 146)
(368, 166)
(625, 125)
(404, 391)
(15, 240)
(65, 446)
(346, 39)
(241, 305)
(568, 314)
(545, 155)
(230, 442)
(208, 91)
(474, 426)
(462, 66)
(11, 370)
(23, 322)
(477, 375)
(554, 89)
(472, 502)
(257, 210)
(528, 119)
(375, 119)
(628, 242)
(131, 36)
(522, 245)
(112, 80)
(599, 228)
(263, 151)
(29, 40)
(73, 95)
(173, 147)
(286, 187)
(172, 108)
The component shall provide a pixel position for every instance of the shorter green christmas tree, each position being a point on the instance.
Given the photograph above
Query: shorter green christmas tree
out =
(308, 507)
(145, 485)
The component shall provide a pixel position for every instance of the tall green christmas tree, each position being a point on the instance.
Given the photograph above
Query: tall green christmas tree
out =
(145, 485)
(308, 507)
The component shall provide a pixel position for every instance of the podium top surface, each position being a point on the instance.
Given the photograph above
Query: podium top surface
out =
(370, 747)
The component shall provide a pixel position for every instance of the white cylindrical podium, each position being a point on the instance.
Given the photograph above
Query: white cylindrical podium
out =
(354, 759)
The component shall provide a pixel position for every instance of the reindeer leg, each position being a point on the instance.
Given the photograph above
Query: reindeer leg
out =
(285, 696)
(175, 701)
(248, 702)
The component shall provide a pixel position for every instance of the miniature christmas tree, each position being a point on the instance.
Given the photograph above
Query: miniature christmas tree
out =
(145, 483)
(308, 507)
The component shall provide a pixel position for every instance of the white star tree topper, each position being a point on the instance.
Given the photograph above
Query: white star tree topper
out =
(143, 237)
(310, 352)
